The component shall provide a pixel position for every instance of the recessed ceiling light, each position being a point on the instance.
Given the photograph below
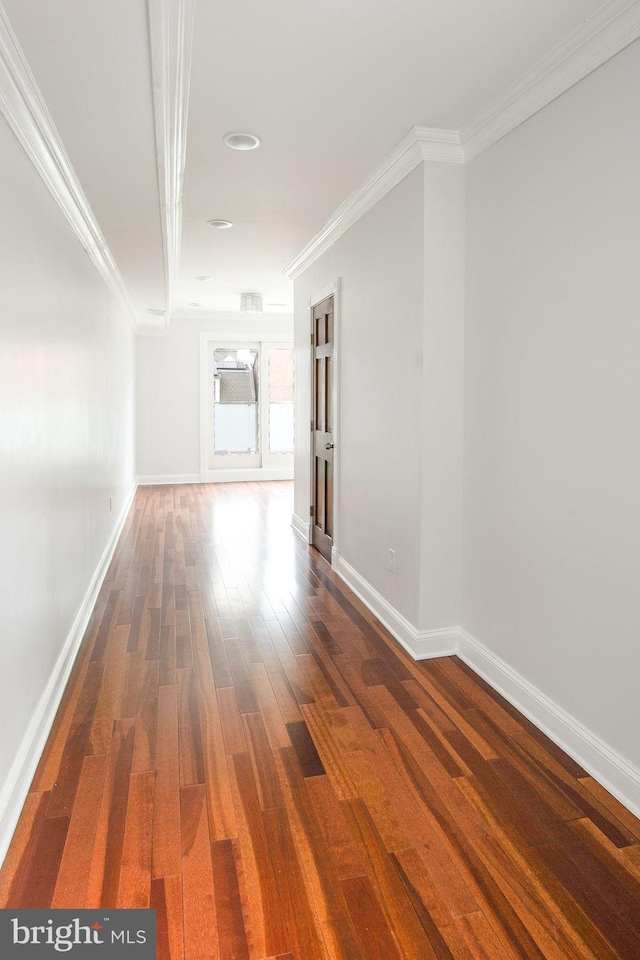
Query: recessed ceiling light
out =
(220, 224)
(204, 279)
(241, 141)
(277, 304)
(195, 304)
(156, 313)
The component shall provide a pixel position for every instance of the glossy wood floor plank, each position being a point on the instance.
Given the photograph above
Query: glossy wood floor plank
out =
(243, 747)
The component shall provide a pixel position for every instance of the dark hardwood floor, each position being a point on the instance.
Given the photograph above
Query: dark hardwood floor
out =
(244, 748)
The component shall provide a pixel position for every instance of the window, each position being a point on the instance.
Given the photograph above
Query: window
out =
(248, 411)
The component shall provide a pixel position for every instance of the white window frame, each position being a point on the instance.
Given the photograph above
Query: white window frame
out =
(275, 466)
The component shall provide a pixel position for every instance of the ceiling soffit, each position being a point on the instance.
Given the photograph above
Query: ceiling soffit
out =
(171, 36)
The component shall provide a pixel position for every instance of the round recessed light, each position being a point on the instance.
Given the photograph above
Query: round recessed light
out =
(220, 224)
(241, 141)
(204, 279)
(195, 304)
(156, 313)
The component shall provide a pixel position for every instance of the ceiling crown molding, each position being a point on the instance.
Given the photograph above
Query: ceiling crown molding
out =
(171, 35)
(25, 111)
(600, 37)
(421, 143)
(442, 146)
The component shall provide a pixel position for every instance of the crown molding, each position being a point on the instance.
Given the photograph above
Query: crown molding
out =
(24, 109)
(170, 37)
(602, 35)
(421, 143)
(440, 146)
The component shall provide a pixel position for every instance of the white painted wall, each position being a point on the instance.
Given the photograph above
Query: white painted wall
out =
(380, 261)
(168, 390)
(66, 439)
(442, 393)
(551, 559)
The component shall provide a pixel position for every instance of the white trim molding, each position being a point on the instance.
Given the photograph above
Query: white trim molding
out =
(254, 474)
(420, 644)
(418, 145)
(247, 474)
(606, 765)
(301, 527)
(602, 35)
(24, 109)
(169, 478)
(16, 788)
(171, 36)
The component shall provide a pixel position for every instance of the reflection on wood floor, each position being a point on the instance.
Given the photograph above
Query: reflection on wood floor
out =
(244, 748)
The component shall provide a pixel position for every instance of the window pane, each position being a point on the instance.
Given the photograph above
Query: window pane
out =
(281, 428)
(281, 389)
(235, 383)
(280, 375)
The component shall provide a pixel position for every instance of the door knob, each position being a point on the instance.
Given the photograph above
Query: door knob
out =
(328, 446)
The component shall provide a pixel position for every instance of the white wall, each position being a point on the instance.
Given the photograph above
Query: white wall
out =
(66, 439)
(168, 390)
(551, 567)
(380, 261)
(442, 393)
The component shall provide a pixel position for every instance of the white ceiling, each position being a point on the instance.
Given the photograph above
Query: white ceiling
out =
(330, 88)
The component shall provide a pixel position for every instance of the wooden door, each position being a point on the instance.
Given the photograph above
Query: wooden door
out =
(322, 427)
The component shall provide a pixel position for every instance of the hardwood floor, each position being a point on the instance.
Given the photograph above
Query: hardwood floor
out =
(244, 748)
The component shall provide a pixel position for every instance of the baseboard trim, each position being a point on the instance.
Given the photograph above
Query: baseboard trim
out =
(606, 765)
(16, 788)
(218, 476)
(420, 644)
(249, 474)
(616, 774)
(301, 528)
(167, 478)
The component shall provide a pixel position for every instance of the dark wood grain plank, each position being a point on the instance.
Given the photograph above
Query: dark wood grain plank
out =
(231, 932)
(308, 757)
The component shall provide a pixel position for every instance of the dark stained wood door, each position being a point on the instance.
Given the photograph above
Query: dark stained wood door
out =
(322, 427)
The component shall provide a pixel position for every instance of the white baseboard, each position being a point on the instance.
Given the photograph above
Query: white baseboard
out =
(16, 788)
(616, 774)
(301, 528)
(168, 478)
(421, 644)
(605, 764)
(253, 474)
(219, 476)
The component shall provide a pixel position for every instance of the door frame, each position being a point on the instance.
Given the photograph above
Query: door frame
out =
(233, 474)
(334, 290)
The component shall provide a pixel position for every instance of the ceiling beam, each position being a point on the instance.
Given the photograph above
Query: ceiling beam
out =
(170, 36)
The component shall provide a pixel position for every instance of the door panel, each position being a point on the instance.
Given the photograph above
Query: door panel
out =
(322, 429)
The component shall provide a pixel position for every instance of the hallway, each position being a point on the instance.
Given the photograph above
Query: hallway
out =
(244, 748)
